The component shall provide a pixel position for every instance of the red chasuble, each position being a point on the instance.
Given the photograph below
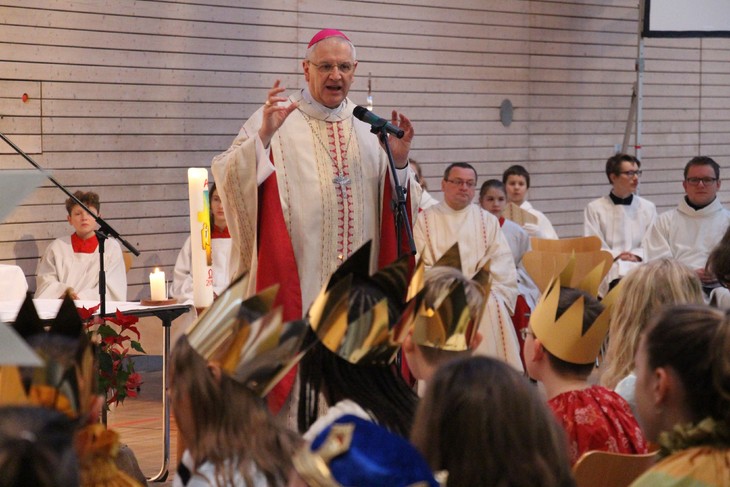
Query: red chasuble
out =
(277, 264)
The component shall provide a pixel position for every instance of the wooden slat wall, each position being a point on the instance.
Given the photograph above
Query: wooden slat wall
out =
(126, 95)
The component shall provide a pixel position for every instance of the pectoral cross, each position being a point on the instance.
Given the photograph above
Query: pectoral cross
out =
(341, 180)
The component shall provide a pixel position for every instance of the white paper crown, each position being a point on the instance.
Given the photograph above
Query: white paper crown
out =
(248, 338)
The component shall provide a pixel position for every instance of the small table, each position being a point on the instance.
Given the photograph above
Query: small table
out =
(167, 315)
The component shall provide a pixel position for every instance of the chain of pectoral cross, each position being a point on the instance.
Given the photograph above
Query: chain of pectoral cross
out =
(339, 179)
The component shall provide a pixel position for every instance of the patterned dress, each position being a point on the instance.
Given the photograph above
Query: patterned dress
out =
(597, 419)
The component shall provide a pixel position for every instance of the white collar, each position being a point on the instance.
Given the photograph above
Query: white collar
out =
(327, 113)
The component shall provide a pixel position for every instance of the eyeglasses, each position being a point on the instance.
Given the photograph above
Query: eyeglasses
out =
(461, 182)
(697, 181)
(326, 68)
(631, 174)
(524, 332)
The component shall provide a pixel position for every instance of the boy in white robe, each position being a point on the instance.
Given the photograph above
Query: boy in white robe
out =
(72, 262)
(516, 180)
(620, 219)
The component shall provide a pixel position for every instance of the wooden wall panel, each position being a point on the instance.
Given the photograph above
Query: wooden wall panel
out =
(126, 95)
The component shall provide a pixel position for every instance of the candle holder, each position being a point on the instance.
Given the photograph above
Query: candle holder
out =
(163, 302)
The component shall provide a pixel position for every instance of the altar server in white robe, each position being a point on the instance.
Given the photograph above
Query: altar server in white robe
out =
(72, 262)
(305, 184)
(480, 240)
(620, 219)
(689, 232)
(493, 198)
(516, 181)
(220, 242)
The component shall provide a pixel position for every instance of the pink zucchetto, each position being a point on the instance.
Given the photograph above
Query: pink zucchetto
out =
(324, 34)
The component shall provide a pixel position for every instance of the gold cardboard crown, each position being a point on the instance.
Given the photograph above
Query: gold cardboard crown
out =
(66, 388)
(248, 338)
(565, 337)
(448, 323)
(369, 337)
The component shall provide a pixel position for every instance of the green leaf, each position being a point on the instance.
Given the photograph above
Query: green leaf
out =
(107, 331)
(137, 346)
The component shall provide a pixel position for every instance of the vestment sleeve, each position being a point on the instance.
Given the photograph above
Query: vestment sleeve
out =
(236, 172)
(420, 237)
(656, 243)
(592, 228)
(116, 272)
(47, 284)
(502, 266)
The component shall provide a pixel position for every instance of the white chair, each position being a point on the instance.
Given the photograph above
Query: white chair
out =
(13, 284)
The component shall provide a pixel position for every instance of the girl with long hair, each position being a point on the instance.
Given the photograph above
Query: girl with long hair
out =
(486, 424)
(683, 396)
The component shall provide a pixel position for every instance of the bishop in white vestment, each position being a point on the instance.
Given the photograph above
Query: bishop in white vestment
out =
(305, 184)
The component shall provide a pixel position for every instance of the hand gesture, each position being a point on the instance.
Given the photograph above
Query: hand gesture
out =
(274, 114)
(400, 147)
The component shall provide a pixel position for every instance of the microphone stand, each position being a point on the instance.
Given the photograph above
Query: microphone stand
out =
(105, 230)
(399, 205)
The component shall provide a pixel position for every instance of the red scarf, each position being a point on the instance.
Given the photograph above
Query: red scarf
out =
(81, 246)
(216, 233)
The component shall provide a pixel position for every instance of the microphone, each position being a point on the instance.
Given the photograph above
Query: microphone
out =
(362, 113)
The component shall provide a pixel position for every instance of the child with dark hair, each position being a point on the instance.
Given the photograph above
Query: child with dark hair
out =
(356, 322)
(562, 342)
(371, 389)
(516, 180)
(683, 396)
(72, 263)
(486, 424)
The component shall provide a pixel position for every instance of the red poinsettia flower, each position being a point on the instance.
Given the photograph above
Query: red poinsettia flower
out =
(117, 378)
(133, 383)
(126, 322)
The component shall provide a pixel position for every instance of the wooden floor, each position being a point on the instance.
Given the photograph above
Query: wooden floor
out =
(139, 424)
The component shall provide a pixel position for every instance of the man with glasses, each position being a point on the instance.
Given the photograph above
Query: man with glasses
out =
(305, 184)
(480, 240)
(620, 219)
(689, 232)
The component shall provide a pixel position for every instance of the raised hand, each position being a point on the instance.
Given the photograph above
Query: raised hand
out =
(274, 114)
(400, 147)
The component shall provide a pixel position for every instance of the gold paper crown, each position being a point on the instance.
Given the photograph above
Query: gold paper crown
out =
(68, 388)
(448, 322)
(369, 337)
(248, 338)
(565, 337)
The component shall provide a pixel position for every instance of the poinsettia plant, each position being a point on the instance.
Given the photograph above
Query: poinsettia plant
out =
(114, 337)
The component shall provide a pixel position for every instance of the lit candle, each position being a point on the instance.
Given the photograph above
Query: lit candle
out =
(157, 286)
(202, 258)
